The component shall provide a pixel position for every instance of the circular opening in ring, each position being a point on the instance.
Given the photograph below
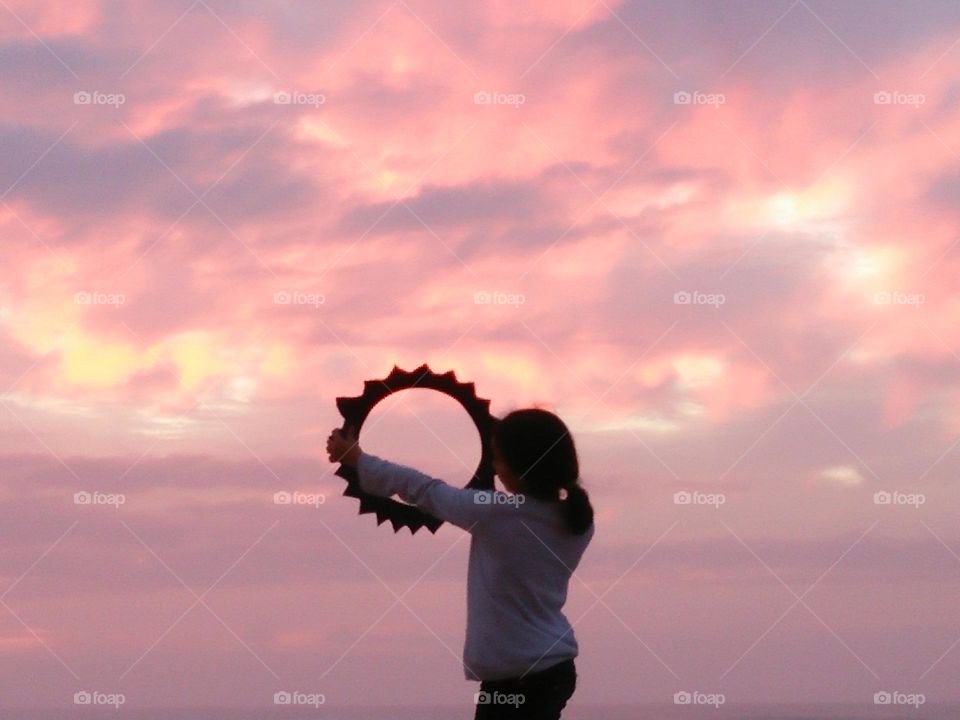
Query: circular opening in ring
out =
(424, 429)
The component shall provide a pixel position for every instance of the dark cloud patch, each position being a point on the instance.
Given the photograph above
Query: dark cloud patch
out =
(296, 27)
(26, 61)
(259, 189)
(698, 41)
(480, 202)
(88, 183)
(945, 191)
(77, 180)
(30, 70)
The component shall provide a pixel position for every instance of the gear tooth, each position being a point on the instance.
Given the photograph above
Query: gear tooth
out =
(350, 407)
(395, 380)
(450, 375)
(417, 374)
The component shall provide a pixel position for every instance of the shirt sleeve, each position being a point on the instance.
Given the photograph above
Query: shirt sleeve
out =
(460, 506)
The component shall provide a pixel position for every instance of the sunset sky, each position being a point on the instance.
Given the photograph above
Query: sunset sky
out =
(720, 239)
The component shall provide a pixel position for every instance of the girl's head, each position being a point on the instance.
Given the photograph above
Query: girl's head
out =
(534, 454)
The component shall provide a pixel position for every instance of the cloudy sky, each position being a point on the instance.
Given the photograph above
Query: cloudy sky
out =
(720, 239)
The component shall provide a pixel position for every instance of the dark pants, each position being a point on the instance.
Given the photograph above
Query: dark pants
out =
(536, 696)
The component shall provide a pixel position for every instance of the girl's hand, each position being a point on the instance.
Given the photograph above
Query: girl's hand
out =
(343, 446)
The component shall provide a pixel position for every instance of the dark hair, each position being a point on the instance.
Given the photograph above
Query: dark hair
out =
(538, 447)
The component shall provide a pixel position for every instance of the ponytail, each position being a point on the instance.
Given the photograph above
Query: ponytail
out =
(577, 510)
(538, 447)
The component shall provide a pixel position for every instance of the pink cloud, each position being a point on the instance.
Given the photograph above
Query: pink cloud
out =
(187, 351)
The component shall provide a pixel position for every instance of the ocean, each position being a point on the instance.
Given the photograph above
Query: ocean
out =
(575, 712)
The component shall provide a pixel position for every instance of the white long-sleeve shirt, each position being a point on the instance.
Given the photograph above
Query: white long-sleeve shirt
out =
(521, 559)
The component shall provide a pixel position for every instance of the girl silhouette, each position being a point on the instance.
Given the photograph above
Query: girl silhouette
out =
(525, 544)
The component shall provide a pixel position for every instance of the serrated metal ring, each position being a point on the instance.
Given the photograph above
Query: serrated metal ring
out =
(356, 409)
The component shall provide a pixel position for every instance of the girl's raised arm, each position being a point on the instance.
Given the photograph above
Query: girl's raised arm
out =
(459, 506)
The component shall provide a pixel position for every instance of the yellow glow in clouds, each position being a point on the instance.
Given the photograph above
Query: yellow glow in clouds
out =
(822, 202)
(97, 363)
